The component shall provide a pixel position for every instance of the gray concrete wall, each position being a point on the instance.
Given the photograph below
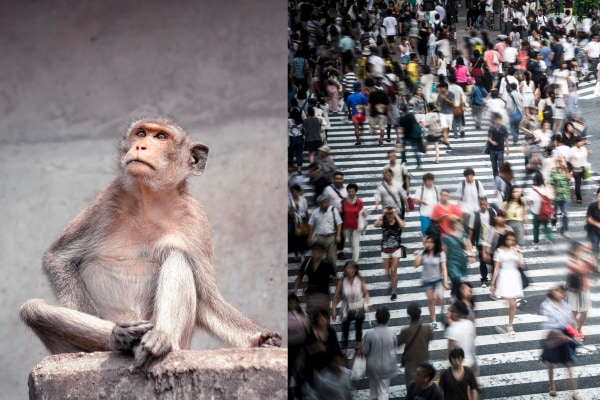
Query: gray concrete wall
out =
(72, 77)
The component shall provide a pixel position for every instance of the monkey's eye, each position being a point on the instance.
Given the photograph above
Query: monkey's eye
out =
(161, 135)
(141, 133)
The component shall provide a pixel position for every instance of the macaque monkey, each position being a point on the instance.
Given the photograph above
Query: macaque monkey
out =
(134, 271)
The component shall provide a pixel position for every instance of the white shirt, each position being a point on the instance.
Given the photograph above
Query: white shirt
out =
(510, 54)
(469, 200)
(536, 199)
(390, 25)
(463, 333)
(578, 156)
(323, 221)
(430, 196)
(334, 199)
(593, 49)
(458, 93)
(399, 170)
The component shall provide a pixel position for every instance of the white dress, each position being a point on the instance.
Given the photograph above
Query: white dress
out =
(508, 282)
(528, 96)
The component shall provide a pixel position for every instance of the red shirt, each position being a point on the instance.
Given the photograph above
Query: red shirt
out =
(351, 213)
(440, 215)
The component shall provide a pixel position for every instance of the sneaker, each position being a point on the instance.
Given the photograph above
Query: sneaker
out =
(434, 325)
(511, 333)
(554, 228)
(535, 246)
(357, 144)
(381, 143)
(566, 235)
(393, 296)
(484, 284)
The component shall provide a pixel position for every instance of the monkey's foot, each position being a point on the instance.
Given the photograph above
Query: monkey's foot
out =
(126, 336)
(155, 344)
(269, 339)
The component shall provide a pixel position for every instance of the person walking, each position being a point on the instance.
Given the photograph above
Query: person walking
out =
(445, 103)
(479, 225)
(357, 104)
(539, 191)
(581, 264)
(514, 107)
(354, 296)
(391, 239)
(506, 281)
(415, 338)
(352, 211)
(461, 332)
(325, 227)
(433, 275)
(558, 347)
(476, 99)
(515, 209)
(412, 133)
(458, 382)
(298, 216)
(560, 182)
(424, 386)
(379, 348)
(578, 158)
(458, 250)
(592, 218)
(497, 142)
(426, 197)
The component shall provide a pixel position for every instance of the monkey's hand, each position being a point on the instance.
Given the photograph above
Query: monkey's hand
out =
(126, 336)
(155, 344)
(269, 339)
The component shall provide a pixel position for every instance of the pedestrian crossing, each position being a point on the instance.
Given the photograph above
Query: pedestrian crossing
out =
(510, 367)
(585, 91)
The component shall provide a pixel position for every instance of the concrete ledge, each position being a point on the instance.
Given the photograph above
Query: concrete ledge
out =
(207, 374)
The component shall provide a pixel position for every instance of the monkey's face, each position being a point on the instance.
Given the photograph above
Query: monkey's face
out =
(159, 154)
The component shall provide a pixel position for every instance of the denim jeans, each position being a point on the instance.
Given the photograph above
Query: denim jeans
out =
(415, 147)
(497, 158)
(564, 207)
(514, 130)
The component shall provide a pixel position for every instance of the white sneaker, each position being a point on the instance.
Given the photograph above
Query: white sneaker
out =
(554, 228)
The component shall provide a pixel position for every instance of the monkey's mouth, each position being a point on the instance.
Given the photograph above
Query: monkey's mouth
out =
(137, 160)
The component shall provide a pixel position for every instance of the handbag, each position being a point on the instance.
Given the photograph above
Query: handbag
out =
(301, 229)
(573, 281)
(411, 204)
(486, 149)
(403, 251)
(524, 278)
(458, 111)
(359, 368)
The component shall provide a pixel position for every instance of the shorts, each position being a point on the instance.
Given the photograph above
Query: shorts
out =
(358, 118)
(390, 39)
(378, 120)
(579, 301)
(435, 285)
(425, 222)
(395, 254)
(446, 120)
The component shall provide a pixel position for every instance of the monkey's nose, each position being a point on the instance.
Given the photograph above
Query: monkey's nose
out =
(141, 147)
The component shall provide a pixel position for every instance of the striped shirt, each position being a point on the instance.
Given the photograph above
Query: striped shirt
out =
(348, 81)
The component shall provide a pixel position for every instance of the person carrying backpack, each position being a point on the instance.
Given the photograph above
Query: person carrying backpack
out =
(541, 198)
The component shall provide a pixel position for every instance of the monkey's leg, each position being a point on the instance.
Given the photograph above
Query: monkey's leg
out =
(63, 330)
(174, 310)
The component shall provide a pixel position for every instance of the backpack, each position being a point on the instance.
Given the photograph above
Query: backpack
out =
(546, 209)
(462, 194)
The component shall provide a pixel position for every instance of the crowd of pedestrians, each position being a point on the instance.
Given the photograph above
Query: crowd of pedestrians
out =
(395, 72)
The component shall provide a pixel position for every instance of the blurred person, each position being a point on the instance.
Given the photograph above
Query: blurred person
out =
(334, 382)
(539, 189)
(458, 250)
(458, 106)
(558, 347)
(411, 133)
(352, 291)
(319, 272)
(298, 215)
(415, 338)
(465, 296)
(434, 275)
(379, 347)
(444, 211)
(515, 208)
(495, 235)
(337, 193)
(318, 181)
(391, 242)
(461, 332)
(298, 327)
(379, 104)
(426, 197)
(400, 171)
(332, 85)
(477, 95)
(514, 107)
(479, 228)
(312, 134)
(295, 133)
(578, 158)
(357, 103)
(435, 131)
(321, 346)
(458, 382)
(498, 142)
(506, 281)
(592, 218)
(581, 264)
(326, 162)
(424, 386)
(446, 100)
(468, 192)
(560, 183)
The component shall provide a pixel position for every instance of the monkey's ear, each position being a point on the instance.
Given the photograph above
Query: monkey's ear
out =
(199, 154)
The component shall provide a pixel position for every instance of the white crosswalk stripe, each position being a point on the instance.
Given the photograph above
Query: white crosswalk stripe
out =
(510, 367)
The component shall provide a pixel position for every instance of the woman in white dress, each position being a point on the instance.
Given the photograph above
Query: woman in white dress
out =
(527, 89)
(506, 281)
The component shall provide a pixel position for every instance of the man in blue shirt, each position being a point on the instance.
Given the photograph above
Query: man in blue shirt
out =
(357, 103)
